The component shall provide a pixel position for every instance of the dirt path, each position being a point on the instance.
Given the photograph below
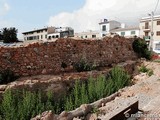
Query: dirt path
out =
(146, 91)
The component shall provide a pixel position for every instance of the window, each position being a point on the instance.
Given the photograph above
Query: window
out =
(122, 33)
(103, 35)
(158, 33)
(157, 47)
(34, 37)
(38, 37)
(45, 36)
(86, 36)
(133, 32)
(41, 36)
(146, 34)
(93, 36)
(104, 28)
(146, 25)
(158, 22)
(82, 37)
(49, 37)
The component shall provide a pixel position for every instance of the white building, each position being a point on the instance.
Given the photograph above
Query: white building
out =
(127, 32)
(61, 33)
(48, 33)
(88, 35)
(114, 27)
(106, 26)
(145, 31)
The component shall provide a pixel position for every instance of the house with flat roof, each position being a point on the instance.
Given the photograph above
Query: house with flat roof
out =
(114, 27)
(88, 35)
(61, 32)
(38, 34)
(145, 31)
(48, 33)
(106, 26)
(127, 31)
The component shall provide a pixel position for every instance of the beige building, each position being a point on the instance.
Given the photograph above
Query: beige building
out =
(145, 31)
(88, 35)
(39, 34)
(48, 33)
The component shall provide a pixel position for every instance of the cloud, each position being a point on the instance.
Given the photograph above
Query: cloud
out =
(88, 17)
(4, 7)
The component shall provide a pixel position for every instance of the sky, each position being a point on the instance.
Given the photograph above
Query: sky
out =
(82, 15)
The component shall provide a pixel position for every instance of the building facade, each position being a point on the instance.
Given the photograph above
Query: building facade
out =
(88, 35)
(145, 31)
(39, 34)
(48, 33)
(61, 32)
(106, 26)
(127, 32)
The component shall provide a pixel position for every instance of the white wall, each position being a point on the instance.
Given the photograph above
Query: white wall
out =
(107, 29)
(53, 34)
(128, 33)
(154, 46)
(109, 26)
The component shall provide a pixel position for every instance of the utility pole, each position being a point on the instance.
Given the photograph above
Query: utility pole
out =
(152, 33)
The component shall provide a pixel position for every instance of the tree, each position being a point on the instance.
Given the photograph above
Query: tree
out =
(9, 35)
(1, 36)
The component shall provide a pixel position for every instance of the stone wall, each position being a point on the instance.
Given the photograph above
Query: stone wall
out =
(51, 57)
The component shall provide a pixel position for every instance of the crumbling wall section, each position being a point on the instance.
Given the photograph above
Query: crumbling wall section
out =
(49, 57)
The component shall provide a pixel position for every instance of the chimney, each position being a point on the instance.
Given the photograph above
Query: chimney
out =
(123, 25)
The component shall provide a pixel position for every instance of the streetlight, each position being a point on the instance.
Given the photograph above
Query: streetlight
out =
(152, 33)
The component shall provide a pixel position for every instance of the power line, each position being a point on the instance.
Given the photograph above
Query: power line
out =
(156, 6)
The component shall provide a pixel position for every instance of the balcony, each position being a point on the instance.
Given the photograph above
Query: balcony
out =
(147, 38)
(146, 28)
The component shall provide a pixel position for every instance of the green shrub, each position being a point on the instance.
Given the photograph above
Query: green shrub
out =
(7, 76)
(82, 65)
(144, 69)
(150, 72)
(120, 78)
(140, 47)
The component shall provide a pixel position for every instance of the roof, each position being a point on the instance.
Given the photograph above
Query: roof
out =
(35, 30)
(124, 29)
(87, 33)
(149, 18)
(107, 21)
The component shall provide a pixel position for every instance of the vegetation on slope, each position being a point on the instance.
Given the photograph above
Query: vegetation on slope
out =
(22, 107)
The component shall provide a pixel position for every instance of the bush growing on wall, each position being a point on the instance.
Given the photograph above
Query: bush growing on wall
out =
(140, 47)
(7, 76)
(83, 65)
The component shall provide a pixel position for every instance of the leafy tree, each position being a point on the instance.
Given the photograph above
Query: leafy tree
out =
(140, 47)
(9, 35)
(1, 35)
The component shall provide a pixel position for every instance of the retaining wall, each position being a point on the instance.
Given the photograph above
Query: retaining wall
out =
(61, 55)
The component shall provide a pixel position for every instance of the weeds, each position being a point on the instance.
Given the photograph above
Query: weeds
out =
(30, 104)
(144, 69)
(83, 65)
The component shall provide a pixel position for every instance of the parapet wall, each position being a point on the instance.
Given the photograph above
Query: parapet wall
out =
(51, 57)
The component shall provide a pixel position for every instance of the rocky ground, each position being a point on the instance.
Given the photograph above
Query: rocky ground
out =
(146, 91)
